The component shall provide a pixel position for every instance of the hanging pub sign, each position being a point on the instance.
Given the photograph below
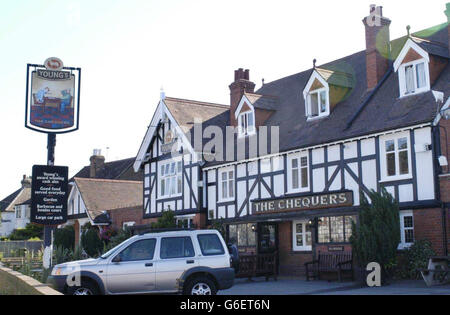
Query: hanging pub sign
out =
(52, 97)
(49, 193)
(304, 202)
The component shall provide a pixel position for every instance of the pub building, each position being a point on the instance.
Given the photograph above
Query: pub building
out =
(376, 118)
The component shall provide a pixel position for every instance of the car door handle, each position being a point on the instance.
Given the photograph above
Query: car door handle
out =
(149, 265)
(190, 261)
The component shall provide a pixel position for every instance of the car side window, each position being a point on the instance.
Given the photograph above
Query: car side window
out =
(139, 250)
(210, 244)
(176, 247)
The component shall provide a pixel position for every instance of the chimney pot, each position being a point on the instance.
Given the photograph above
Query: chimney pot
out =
(240, 85)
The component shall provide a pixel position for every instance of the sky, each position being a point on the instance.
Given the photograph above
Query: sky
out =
(129, 49)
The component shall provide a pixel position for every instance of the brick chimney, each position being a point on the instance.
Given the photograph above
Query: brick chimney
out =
(378, 45)
(97, 163)
(240, 85)
(447, 13)
(26, 182)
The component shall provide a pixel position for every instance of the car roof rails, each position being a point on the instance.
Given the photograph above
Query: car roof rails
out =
(150, 230)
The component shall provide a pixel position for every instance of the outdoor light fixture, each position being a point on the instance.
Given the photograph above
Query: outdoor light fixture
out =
(254, 227)
(443, 161)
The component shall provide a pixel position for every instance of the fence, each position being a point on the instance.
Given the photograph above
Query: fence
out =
(16, 248)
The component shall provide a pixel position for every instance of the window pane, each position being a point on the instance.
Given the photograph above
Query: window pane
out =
(250, 122)
(140, 250)
(162, 170)
(179, 167)
(299, 228)
(390, 161)
(323, 101)
(308, 236)
(304, 161)
(224, 176)
(179, 184)
(167, 169)
(348, 227)
(167, 186)
(163, 187)
(409, 78)
(172, 168)
(294, 163)
(403, 160)
(337, 229)
(314, 98)
(242, 234)
(231, 188)
(231, 175)
(299, 239)
(324, 231)
(176, 247)
(409, 236)
(420, 73)
(390, 146)
(224, 190)
(402, 143)
(408, 221)
(304, 177)
(251, 236)
(295, 179)
(210, 244)
(232, 234)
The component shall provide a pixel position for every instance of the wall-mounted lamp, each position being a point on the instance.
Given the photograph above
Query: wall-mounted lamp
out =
(253, 227)
(443, 161)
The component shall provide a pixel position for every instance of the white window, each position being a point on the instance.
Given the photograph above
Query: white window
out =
(298, 173)
(246, 123)
(171, 179)
(18, 213)
(406, 229)
(414, 77)
(317, 104)
(226, 190)
(395, 159)
(128, 224)
(301, 236)
(186, 222)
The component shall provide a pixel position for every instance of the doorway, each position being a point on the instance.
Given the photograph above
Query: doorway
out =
(267, 238)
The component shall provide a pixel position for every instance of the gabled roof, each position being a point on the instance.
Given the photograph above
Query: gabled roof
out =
(113, 170)
(16, 198)
(101, 195)
(336, 77)
(7, 201)
(266, 102)
(186, 111)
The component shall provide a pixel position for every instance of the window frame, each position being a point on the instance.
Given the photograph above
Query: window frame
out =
(320, 114)
(201, 248)
(290, 182)
(173, 237)
(227, 180)
(403, 81)
(383, 157)
(247, 131)
(402, 214)
(176, 174)
(137, 241)
(304, 248)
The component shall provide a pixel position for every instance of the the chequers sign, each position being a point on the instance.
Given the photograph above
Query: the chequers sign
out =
(317, 201)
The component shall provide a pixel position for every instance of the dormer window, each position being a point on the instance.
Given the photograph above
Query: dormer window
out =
(317, 103)
(412, 65)
(246, 123)
(415, 78)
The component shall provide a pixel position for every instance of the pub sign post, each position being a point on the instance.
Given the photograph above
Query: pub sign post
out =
(52, 106)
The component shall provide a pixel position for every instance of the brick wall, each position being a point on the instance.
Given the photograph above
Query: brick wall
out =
(291, 263)
(428, 225)
(118, 217)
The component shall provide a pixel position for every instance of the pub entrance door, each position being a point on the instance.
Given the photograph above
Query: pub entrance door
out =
(267, 238)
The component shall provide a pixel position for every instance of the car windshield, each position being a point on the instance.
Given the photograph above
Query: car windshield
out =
(112, 251)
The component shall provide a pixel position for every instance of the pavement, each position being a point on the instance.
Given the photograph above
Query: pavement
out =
(289, 286)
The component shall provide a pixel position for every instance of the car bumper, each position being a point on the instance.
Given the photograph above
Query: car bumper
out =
(224, 277)
(57, 282)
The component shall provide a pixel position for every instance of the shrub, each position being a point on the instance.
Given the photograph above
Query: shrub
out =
(415, 257)
(65, 237)
(376, 237)
(120, 237)
(166, 221)
(61, 255)
(91, 242)
(30, 231)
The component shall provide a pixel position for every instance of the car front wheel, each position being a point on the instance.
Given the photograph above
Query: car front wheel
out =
(86, 288)
(200, 286)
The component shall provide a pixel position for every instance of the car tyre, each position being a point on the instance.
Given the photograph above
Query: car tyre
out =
(86, 288)
(200, 286)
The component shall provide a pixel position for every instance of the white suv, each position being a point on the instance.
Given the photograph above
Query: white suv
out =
(193, 262)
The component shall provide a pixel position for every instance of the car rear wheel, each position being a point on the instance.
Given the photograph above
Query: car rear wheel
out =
(86, 288)
(200, 286)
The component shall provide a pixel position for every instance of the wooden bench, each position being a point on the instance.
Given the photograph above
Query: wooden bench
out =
(258, 265)
(330, 262)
